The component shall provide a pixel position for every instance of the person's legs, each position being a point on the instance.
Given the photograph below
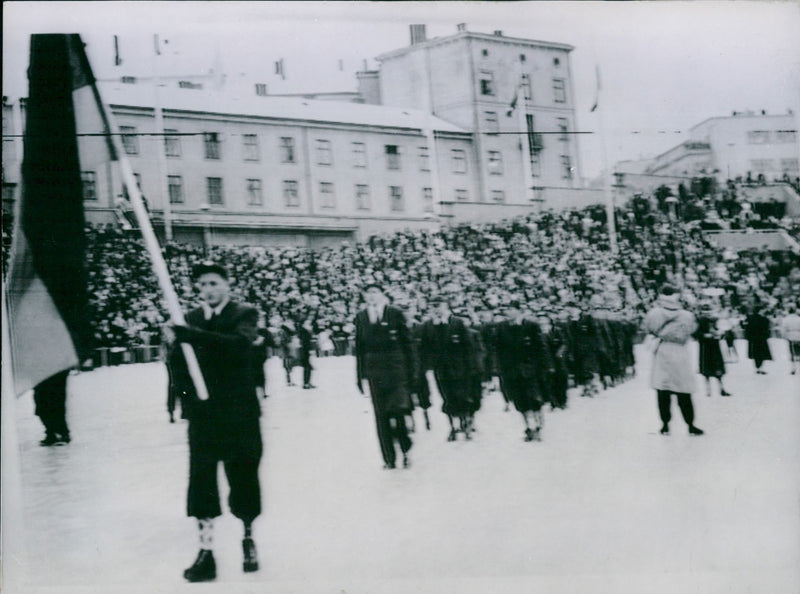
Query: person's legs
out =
(241, 469)
(664, 405)
(687, 410)
(384, 428)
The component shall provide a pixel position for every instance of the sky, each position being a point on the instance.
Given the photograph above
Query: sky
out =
(664, 66)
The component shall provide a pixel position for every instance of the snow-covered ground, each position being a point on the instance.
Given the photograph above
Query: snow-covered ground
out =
(603, 504)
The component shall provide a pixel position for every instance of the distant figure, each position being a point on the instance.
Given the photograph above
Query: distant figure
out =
(290, 349)
(384, 358)
(50, 397)
(790, 330)
(709, 352)
(757, 331)
(306, 336)
(672, 371)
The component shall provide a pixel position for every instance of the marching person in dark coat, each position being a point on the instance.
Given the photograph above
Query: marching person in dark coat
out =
(448, 349)
(420, 387)
(586, 345)
(757, 332)
(306, 335)
(225, 428)
(263, 343)
(50, 397)
(557, 342)
(524, 363)
(385, 359)
(709, 352)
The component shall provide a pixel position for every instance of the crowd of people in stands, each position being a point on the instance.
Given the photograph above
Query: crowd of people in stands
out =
(552, 262)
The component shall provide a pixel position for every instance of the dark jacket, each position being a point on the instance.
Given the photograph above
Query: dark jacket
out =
(384, 356)
(522, 350)
(449, 349)
(225, 352)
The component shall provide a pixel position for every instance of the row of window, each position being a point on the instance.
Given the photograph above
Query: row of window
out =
(291, 197)
(765, 136)
(487, 86)
(768, 165)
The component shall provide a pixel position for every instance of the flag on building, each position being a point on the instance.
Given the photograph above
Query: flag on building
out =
(279, 69)
(66, 146)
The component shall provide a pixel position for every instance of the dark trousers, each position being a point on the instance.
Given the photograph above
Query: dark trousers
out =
(50, 397)
(307, 367)
(240, 451)
(391, 427)
(684, 402)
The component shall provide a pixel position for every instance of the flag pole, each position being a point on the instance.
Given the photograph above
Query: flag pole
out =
(151, 243)
(609, 197)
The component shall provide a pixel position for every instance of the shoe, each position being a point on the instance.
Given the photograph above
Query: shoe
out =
(406, 461)
(724, 393)
(204, 568)
(664, 430)
(308, 387)
(695, 431)
(63, 440)
(537, 434)
(452, 436)
(388, 466)
(250, 562)
(528, 435)
(49, 439)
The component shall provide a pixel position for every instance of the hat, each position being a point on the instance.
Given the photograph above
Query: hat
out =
(373, 284)
(209, 267)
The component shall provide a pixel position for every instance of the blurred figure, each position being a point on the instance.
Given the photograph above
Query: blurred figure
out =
(50, 397)
(757, 332)
(790, 330)
(709, 352)
(672, 371)
(306, 336)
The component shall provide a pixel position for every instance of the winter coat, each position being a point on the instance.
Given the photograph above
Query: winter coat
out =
(673, 368)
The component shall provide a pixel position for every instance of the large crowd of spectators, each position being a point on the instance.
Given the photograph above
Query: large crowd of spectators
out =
(550, 261)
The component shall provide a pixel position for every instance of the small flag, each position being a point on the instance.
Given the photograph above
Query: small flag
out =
(512, 106)
(279, 69)
(47, 281)
(597, 89)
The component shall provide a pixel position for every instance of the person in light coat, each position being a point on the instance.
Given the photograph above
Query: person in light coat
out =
(673, 369)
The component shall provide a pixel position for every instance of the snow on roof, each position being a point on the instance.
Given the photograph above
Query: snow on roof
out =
(289, 108)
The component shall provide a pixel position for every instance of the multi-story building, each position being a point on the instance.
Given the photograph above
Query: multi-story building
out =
(470, 126)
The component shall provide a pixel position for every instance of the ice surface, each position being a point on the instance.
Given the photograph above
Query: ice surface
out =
(603, 504)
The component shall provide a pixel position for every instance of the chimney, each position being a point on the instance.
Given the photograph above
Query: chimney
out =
(417, 34)
(498, 33)
(369, 86)
(461, 27)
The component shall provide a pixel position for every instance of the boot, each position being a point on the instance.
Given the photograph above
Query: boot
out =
(695, 431)
(250, 555)
(49, 439)
(665, 429)
(203, 569)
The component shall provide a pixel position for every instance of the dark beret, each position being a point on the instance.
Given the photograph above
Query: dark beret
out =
(207, 267)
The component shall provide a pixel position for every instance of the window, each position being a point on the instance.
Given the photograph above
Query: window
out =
(563, 128)
(89, 183)
(498, 196)
(175, 186)
(290, 196)
(327, 195)
(761, 165)
(526, 86)
(790, 165)
(396, 198)
(324, 154)
(559, 90)
(187, 84)
(534, 139)
(458, 158)
(261, 89)
(536, 165)
(487, 82)
(785, 136)
(495, 162)
(427, 199)
(287, 149)
(359, 154)
(424, 159)
(485, 53)
(250, 147)
(461, 195)
(566, 167)
(137, 177)
(172, 143)
(362, 197)
(254, 194)
(556, 62)
(490, 119)
(392, 156)
(130, 142)
(212, 145)
(214, 190)
(758, 137)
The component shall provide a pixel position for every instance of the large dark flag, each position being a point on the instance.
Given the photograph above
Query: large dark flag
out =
(66, 133)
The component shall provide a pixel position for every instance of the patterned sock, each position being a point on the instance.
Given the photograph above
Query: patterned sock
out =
(206, 529)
